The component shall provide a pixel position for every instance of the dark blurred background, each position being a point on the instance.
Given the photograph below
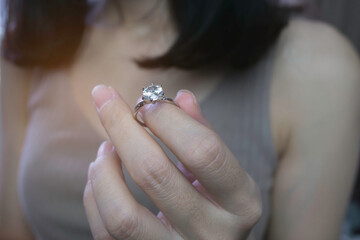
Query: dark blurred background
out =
(344, 14)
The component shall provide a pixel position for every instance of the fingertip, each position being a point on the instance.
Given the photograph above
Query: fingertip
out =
(96, 88)
(186, 97)
(105, 148)
(187, 101)
(102, 94)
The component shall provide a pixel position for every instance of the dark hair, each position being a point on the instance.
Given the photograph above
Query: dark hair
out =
(236, 33)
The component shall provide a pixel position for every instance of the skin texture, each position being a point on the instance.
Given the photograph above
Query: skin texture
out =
(235, 205)
(315, 122)
(315, 111)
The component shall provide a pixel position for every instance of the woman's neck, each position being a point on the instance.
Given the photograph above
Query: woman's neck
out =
(133, 12)
(140, 20)
(130, 14)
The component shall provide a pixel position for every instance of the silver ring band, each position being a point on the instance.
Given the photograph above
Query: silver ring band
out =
(143, 103)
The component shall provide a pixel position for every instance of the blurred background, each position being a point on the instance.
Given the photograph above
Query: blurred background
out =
(345, 15)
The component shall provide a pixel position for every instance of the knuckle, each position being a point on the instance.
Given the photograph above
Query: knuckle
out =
(197, 216)
(248, 205)
(254, 212)
(155, 173)
(256, 202)
(122, 224)
(251, 210)
(207, 152)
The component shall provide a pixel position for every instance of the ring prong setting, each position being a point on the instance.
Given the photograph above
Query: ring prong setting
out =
(151, 94)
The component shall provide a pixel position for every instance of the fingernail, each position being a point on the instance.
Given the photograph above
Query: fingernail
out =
(105, 148)
(102, 94)
(194, 100)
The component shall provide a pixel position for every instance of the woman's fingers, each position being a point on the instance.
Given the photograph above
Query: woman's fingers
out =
(149, 166)
(97, 227)
(121, 216)
(188, 103)
(203, 153)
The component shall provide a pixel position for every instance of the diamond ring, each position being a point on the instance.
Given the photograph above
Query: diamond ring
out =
(151, 94)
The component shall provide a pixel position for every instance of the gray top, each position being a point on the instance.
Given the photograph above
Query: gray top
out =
(53, 169)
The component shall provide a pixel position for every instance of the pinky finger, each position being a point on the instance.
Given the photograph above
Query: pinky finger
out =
(98, 229)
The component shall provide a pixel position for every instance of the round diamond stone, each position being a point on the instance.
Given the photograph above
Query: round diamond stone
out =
(153, 93)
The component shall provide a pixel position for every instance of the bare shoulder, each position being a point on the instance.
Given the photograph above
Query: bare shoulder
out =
(316, 75)
(317, 50)
(315, 111)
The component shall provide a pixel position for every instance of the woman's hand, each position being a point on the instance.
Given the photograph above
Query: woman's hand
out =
(214, 199)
